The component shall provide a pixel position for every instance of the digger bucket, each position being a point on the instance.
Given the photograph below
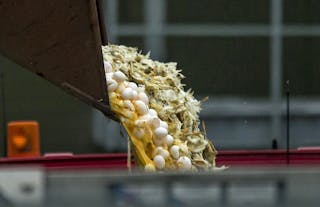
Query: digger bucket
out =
(59, 41)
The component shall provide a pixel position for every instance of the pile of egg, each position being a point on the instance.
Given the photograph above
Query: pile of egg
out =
(135, 99)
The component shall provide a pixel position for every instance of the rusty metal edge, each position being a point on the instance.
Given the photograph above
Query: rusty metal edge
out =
(102, 23)
(96, 7)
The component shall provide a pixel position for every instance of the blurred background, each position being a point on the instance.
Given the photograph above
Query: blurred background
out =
(244, 54)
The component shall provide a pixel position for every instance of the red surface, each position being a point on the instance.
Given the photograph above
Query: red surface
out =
(91, 161)
(305, 156)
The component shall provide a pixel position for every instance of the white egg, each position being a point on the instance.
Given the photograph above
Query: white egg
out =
(109, 76)
(154, 122)
(127, 93)
(164, 124)
(134, 94)
(133, 86)
(141, 107)
(120, 88)
(138, 132)
(107, 67)
(158, 142)
(164, 153)
(153, 112)
(128, 104)
(149, 168)
(174, 150)
(184, 163)
(157, 150)
(159, 162)
(143, 97)
(141, 88)
(119, 76)
(112, 85)
(146, 117)
(161, 132)
(112, 95)
(142, 121)
(169, 139)
(161, 151)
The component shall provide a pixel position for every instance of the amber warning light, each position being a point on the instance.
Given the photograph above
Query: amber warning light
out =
(23, 139)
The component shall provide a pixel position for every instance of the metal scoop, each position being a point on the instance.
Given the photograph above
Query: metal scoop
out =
(61, 42)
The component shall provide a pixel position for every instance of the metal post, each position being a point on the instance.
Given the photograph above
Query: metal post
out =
(288, 122)
(154, 14)
(112, 20)
(276, 64)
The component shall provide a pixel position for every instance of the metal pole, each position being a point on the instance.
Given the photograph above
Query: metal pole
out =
(111, 18)
(154, 14)
(276, 64)
(288, 121)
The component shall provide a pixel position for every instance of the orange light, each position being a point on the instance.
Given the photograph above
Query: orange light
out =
(23, 139)
(20, 142)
